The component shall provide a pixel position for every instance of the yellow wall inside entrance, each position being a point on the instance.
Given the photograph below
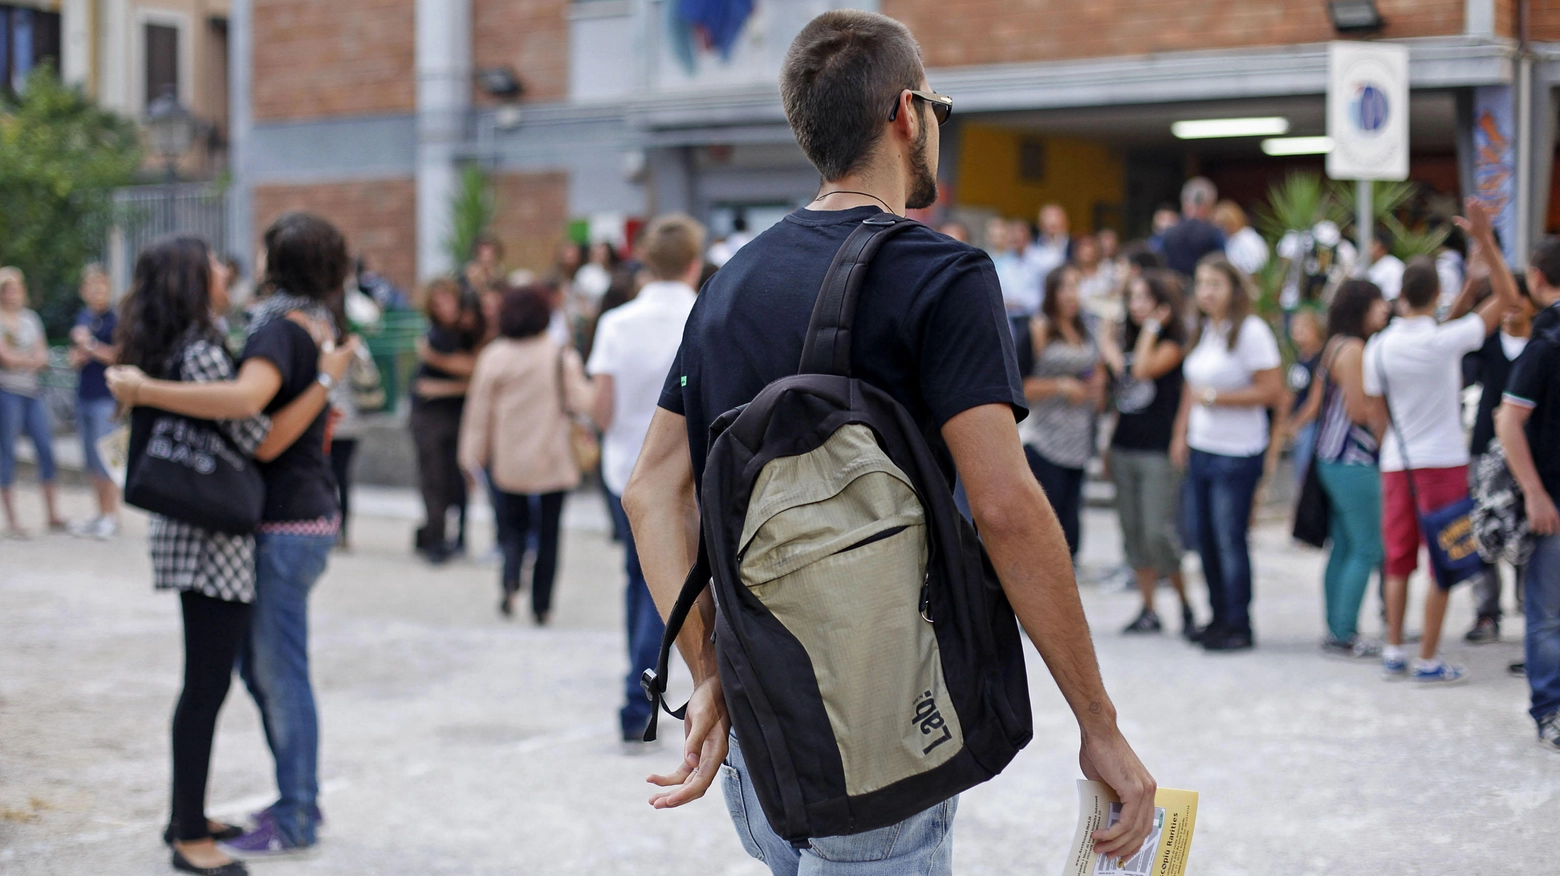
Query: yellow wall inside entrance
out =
(1078, 175)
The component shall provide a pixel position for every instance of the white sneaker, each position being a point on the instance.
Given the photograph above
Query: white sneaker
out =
(84, 528)
(105, 528)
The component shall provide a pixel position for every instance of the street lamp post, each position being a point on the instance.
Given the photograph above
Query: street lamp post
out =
(170, 131)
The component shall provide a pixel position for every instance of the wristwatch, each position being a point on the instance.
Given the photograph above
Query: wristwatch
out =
(1209, 396)
(326, 381)
(1152, 326)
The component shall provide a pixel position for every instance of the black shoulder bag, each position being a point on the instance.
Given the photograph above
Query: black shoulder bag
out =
(187, 469)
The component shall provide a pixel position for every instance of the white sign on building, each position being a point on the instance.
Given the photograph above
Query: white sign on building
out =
(1367, 111)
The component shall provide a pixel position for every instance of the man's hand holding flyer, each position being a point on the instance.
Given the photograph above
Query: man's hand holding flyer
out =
(1163, 854)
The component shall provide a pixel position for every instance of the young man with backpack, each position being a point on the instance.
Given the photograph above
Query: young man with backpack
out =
(1528, 426)
(914, 346)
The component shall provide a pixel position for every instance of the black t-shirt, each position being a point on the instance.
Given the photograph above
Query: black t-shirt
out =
(1147, 408)
(1190, 240)
(1489, 367)
(299, 484)
(443, 340)
(92, 385)
(930, 326)
(1535, 381)
(1300, 376)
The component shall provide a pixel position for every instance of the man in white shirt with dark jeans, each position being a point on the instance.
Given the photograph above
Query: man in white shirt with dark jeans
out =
(634, 348)
(1414, 366)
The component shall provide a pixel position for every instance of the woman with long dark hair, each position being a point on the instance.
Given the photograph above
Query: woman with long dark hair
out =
(1222, 437)
(1064, 387)
(290, 329)
(1348, 440)
(1146, 368)
(167, 328)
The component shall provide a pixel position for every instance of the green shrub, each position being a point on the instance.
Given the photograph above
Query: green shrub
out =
(61, 157)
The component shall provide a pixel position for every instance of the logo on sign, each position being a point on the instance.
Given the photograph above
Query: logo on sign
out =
(1368, 108)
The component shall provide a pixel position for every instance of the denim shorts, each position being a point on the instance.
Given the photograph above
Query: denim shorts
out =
(94, 420)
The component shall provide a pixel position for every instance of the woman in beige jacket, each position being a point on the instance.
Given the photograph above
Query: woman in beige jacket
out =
(524, 394)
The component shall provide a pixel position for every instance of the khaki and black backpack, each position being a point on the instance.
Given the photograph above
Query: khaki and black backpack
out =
(871, 664)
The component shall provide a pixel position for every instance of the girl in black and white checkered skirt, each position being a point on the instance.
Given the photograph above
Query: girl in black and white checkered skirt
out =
(167, 329)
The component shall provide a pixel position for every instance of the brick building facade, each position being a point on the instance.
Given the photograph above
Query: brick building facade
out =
(364, 111)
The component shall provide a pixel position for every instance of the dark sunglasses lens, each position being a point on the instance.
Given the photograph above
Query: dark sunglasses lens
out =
(941, 111)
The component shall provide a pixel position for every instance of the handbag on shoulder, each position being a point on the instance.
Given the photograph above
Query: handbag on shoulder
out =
(583, 443)
(1447, 530)
(187, 469)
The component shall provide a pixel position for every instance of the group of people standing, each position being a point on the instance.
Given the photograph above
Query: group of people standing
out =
(24, 357)
(1188, 386)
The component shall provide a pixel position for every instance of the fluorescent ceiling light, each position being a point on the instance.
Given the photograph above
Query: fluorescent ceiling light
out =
(1207, 129)
(1298, 146)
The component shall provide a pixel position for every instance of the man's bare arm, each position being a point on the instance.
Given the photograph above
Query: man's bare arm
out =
(663, 512)
(1029, 552)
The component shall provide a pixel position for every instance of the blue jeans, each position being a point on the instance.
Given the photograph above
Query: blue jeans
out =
(1303, 448)
(274, 664)
(18, 414)
(94, 419)
(921, 844)
(1222, 488)
(1542, 607)
(645, 630)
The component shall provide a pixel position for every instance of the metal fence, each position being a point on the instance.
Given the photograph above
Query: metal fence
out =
(145, 213)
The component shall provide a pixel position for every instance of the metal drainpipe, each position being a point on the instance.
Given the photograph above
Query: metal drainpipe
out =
(443, 103)
(1524, 146)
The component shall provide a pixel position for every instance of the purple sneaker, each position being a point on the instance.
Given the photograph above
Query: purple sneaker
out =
(314, 810)
(266, 841)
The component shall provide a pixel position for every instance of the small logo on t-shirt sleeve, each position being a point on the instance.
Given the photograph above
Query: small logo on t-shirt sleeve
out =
(684, 380)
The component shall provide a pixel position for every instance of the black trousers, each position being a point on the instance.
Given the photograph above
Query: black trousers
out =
(341, 452)
(1064, 487)
(436, 432)
(516, 525)
(213, 632)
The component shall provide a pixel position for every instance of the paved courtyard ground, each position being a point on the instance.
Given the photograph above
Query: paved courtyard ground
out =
(455, 742)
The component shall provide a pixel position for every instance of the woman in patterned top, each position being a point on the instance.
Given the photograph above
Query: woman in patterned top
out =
(1065, 388)
(167, 329)
(1348, 436)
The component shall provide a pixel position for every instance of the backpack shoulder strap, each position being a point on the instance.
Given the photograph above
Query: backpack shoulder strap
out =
(827, 350)
(653, 681)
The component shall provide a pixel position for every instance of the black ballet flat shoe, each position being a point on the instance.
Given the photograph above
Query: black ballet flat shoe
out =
(231, 868)
(228, 832)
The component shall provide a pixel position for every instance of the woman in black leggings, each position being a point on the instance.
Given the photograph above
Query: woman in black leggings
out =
(165, 329)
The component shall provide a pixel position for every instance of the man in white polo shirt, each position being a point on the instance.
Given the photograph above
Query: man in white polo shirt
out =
(634, 348)
(1415, 365)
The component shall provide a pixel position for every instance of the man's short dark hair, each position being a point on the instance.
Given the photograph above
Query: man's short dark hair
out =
(1421, 284)
(839, 83)
(1546, 258)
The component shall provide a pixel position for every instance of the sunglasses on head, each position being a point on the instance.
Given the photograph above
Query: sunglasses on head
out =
(942, 105)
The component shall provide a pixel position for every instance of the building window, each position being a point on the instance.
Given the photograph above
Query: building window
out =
(28, 38)
(162, 61)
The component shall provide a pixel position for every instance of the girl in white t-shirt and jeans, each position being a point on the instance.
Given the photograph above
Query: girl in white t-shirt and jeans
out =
(1221, 438)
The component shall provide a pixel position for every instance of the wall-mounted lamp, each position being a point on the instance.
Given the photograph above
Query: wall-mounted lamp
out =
(1355, 16)
(499, 82)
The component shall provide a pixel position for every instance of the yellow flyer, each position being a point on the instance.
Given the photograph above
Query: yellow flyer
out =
(1165, 851)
